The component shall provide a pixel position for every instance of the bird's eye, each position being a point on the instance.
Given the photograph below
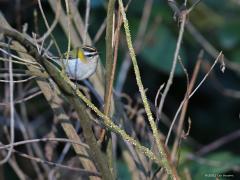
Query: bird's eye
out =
(89, 55)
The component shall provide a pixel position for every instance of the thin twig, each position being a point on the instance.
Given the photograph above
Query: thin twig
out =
(100, 31)
(194, 5)
(13, 163)
(206, 75)
(51, 28)
(19, 62)
(176, 53)
(63, 21)
(81, 171)
(43, 140)
(10, 46)
(19, 75)
(47, 25)
(68, 146)
(112, 74)
(69, 32)
(190, 95)
(18, 81)
(23, 99)
(184, 109)
(18, 58)
(209, 47)
(12, 121)
(24, 127)
(88, 8)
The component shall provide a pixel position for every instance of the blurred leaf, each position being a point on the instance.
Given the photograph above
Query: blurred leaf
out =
(235, 56)
(229, 35)
(159, 51)
(206, 18)
(96, 3)
(219, 4)
(123, 172)
(184, 154)
(214, 164)
(133, 9)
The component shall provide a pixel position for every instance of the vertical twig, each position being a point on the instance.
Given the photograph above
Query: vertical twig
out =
(176, 53)
(88, 7)
(109, 68)
(109, 62)
(69, 32)
(109, 55)
(12, 122)
(184, 109)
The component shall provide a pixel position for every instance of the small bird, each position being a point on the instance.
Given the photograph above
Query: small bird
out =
(79, 63)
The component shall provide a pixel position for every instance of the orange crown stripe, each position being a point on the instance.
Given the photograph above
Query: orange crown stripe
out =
(81, 56)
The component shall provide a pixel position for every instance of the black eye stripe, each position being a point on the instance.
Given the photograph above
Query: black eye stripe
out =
(90, 55)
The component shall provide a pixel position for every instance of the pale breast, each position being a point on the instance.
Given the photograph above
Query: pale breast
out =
(78, 70)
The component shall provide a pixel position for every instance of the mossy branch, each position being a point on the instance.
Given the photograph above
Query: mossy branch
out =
(163, 156)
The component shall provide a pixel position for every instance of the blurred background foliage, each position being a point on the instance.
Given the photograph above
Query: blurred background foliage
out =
(213, 112)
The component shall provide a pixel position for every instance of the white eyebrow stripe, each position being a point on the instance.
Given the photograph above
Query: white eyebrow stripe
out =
(90, 53)
(89, 48)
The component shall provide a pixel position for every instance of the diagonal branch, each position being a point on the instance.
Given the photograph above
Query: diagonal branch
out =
(163, 156)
